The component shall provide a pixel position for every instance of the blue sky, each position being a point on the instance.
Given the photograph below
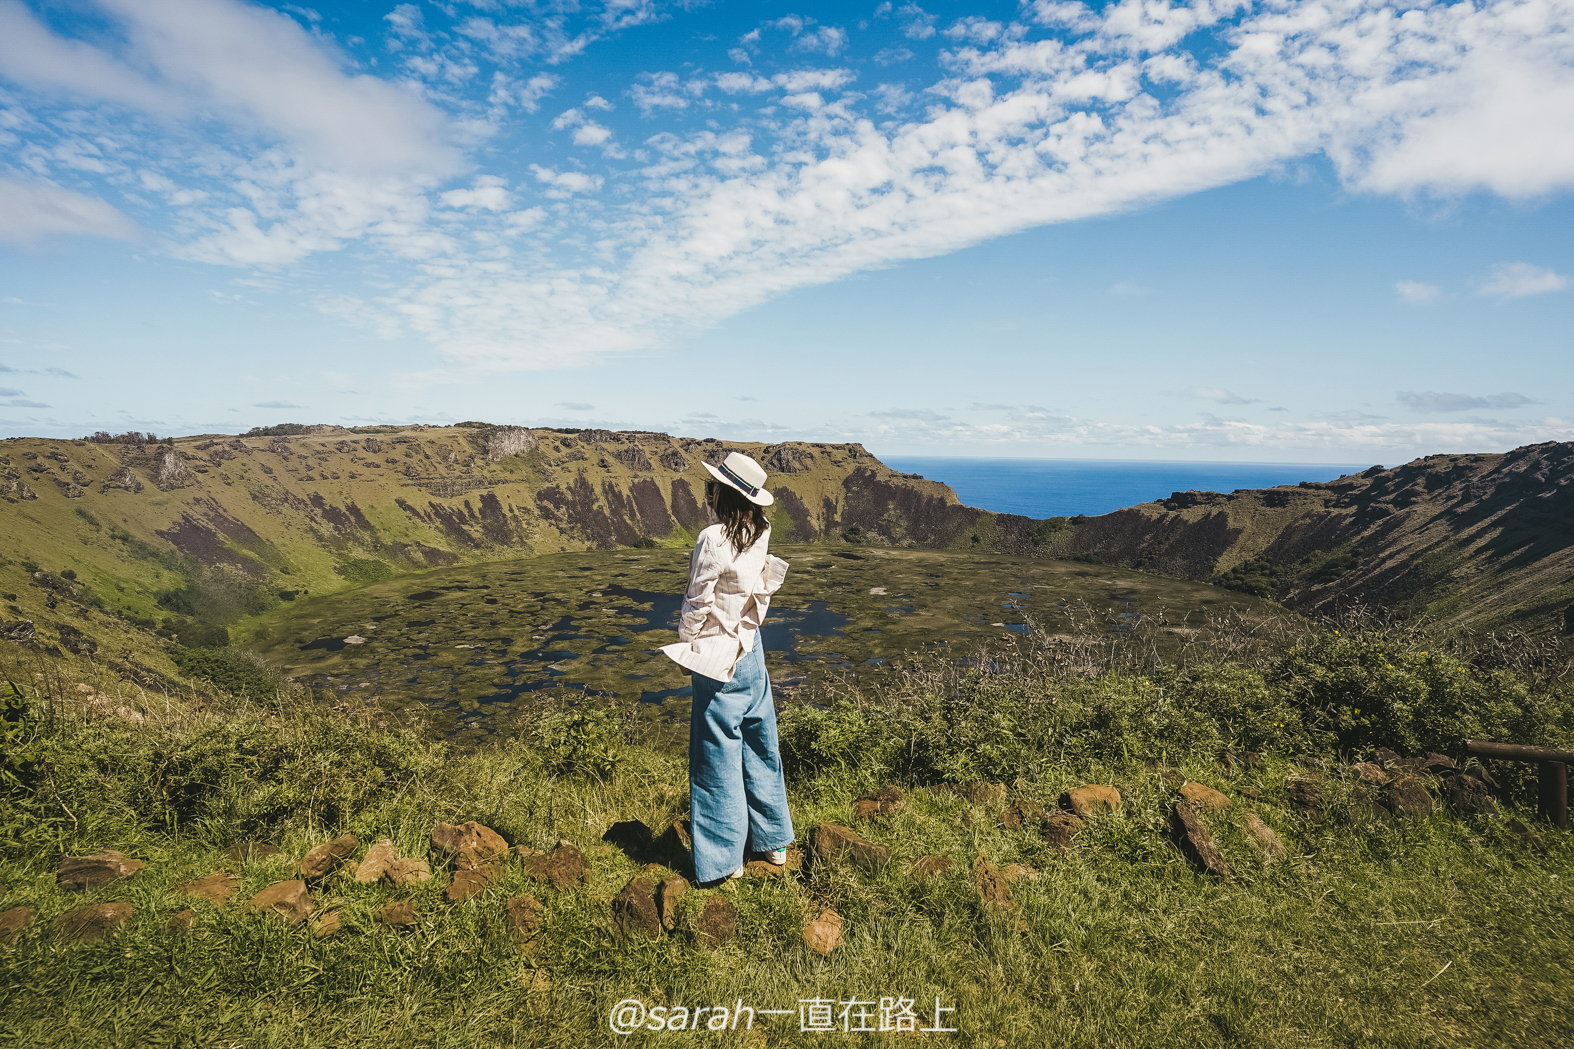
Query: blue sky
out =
(1321, 232)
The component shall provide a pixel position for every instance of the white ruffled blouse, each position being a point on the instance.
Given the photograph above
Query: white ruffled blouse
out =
(726, 603)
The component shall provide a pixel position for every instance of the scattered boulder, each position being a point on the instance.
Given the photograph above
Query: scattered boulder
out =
(1468, 796)
(926, 867)
(215, 889)
(981, 793)
(1384, 758)
(379, 858)
(1263, 838)
(632, 836)
(321, 861)
(1196, 843)
(14, 921)
(668, 893)
(93, 922)
(882, 804)
(101, 868)
(1059, 828)
(1202, 797)
(1087, 800)
(1365, 806)
(563, 866)
(829, 841)
(991, 884)
(404, 871)
(1306, 797)
(526, 919)
(763, 869)
(472, 874)
(398, 912)
(634, 911)
(287, 899)
(1366, 772)
(1436, 765)
(824, 934)
(1408, 799)
(717, 923)
(482, 840)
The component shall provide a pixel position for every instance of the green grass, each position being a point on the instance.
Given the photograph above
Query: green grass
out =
(1442, 932)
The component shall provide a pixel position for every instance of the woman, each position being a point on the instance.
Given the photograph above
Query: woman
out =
(736, 791)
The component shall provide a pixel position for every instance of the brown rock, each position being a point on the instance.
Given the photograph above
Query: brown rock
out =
(526, 919)
(1087, 800)
(251, 852)
(398, 912)
(981, 793)
(379, 858)
(471, 876)
(405, 871)
(1468, 796)
(676, 839)
(14, 921)
(762, 869)
(288, 899)
(881, 805)
(829, 841)
(216, 888)
(563, 866)
(180, 921)
(485, 842)
(329, 923)
(632, 836)
(1196, 843)
(634, 911)
(671, 889)
(824, 934)
(93, 922)
(1385, 757)
(991, 884)
(1408, 799)
(1437, 765)
(926, 867)
(1206, 798)
(1365, 806)
(1267, 843)
(322, 860)
(1306, 797)
(1022, 814)
(101, 868)
(525, 851)
(717, 923)
(1367, 772)
(1059, 828)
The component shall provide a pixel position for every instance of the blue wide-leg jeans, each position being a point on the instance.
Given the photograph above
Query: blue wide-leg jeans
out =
(736, 790)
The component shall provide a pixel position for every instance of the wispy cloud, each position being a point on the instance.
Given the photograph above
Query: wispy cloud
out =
(1417, 293)
(1431, 401)
(1518, 280)
(575, 406)
(277, 404)
(1218, 396)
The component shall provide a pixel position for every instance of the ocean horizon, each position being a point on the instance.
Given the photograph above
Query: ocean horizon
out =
(1042, 488)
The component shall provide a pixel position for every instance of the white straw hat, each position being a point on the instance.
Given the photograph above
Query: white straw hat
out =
(745, 475)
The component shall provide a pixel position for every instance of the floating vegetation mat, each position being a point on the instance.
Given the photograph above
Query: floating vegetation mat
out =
(471, 648)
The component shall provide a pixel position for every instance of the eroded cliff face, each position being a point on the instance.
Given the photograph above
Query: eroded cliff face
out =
(1472, 540)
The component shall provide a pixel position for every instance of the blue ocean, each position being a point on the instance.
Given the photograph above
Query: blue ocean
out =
(1067, 487)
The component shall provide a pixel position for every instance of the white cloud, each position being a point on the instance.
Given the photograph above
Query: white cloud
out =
(1218, 396)
(827, 40)
(1431, 401)
(1417, 293)
(488, 194)
(33, 211)
(1516, 280)
(659, 91)
(890, 56)
(566, 183)
(920, 24)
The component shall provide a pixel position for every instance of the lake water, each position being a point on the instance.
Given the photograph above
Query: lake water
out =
(1066, 487)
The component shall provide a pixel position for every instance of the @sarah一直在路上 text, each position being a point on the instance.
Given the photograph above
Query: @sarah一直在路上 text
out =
(847, 1015)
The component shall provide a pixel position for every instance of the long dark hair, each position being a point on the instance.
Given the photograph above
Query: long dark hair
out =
(741, 521)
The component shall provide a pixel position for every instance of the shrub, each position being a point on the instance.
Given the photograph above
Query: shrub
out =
(578, 743)
(230, 671)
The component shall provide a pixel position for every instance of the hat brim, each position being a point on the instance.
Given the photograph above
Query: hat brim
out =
(763, 498)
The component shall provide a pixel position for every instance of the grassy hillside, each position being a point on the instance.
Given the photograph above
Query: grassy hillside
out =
(1470, 541)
